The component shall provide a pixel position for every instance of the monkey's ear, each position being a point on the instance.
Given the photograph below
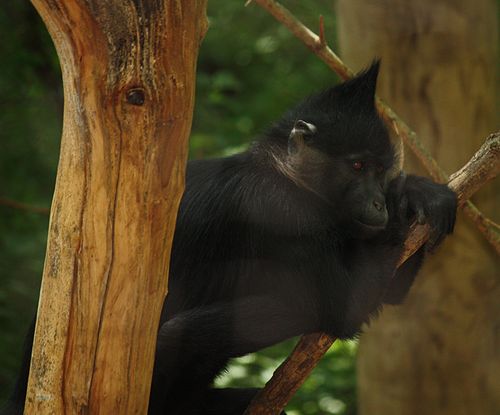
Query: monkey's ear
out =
(303, 128)
(300, 133)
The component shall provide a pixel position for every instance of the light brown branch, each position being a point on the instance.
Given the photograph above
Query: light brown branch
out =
(484, 166)
(290, 375)
(23, 206)
(402, 130)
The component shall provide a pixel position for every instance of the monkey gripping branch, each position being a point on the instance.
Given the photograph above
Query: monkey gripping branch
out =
(287, 379)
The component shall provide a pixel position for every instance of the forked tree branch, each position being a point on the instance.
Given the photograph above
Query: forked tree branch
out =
(318, 46)
(286, 380)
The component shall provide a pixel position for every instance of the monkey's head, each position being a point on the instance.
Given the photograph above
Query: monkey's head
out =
(338, 148)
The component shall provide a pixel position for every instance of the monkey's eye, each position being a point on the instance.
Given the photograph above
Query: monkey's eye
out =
(357, 165)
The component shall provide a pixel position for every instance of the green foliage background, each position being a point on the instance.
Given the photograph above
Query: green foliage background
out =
(250, 70)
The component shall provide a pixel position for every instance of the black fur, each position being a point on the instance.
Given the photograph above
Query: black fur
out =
(300, 233)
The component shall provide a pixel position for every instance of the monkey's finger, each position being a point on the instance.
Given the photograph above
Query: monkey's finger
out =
(420, 215)
(440, 228)
(447, 222)
(434, 241)
(403, 206)
(453, 218)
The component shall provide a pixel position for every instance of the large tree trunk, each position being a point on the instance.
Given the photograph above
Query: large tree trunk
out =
(129, 75)
(439, 353)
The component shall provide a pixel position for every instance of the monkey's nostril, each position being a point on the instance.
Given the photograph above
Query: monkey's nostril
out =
(379, 206)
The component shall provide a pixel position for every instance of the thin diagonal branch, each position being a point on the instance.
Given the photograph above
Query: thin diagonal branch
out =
(319, 47)
(483, 167)
(23, 206)
(490, 229)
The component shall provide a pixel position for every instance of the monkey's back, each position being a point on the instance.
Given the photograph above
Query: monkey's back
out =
(240, 231)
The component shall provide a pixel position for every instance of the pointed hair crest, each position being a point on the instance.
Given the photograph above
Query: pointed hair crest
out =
(357, 92)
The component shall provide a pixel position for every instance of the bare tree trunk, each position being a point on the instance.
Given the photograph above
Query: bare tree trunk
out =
(129, 75)
(439, 353)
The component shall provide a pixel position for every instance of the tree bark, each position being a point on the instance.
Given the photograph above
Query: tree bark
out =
(441, 348)
(129, 74)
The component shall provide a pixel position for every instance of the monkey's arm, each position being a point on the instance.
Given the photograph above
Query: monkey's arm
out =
(425, 201)
(197, 343)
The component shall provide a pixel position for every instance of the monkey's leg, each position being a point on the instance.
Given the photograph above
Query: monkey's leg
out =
(195, 345)
(363, 275)
(403, 280)
(375, 280)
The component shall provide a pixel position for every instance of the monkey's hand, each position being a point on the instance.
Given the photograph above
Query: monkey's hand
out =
(431, 203)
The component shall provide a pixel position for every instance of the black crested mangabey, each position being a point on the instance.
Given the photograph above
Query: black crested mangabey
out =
(300, 233)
